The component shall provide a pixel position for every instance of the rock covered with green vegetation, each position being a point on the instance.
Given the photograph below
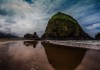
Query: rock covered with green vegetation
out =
(63, 26)
(97, 36)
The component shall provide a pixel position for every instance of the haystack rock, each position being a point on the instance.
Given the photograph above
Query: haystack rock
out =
(63, 26)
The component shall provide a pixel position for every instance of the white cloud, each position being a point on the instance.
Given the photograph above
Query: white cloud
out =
(21, 17)
(93, 26)
(93, 29)
(25, 18)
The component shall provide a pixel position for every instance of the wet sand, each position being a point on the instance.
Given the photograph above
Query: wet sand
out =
(62, 57)
(17, 56)
(91, 61)
(32, 55)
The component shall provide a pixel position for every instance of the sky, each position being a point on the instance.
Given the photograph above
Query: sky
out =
(19, 17)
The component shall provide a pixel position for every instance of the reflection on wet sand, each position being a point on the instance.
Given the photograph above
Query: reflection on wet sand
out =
(32, 55)
(62, 57)
(91, 61)
(31, 43)
(16, 56)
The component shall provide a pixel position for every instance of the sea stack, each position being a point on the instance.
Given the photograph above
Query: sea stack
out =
(31, 36)
(63, 26)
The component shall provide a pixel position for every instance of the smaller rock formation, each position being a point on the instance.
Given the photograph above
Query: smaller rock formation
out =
(28, 36)
(35, 36)
(97, 36)
(31, 36)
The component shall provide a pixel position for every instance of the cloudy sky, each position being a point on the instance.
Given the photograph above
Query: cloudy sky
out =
(19, 17)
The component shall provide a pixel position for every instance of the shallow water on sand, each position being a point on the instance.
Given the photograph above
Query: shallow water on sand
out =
(17, 56)
(32, 55)
(91, 61)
